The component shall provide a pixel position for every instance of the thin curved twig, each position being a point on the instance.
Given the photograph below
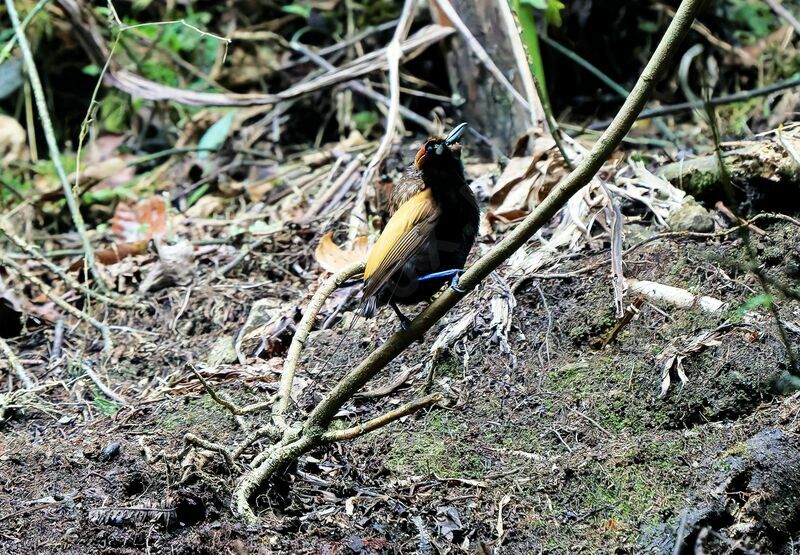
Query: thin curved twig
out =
(230, 406)
(52, 145)
(16, 365)
(301, 335)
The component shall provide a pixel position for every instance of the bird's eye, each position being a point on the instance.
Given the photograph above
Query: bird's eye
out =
(428, 148)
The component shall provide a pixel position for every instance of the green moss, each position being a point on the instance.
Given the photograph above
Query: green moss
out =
(699, 183)
(202, 413)
(435, 450)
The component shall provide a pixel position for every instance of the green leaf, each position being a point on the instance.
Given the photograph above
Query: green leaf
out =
(196, 195)
(92, 70)
(298, 9)
(538, 4)
(365, 121)
(553, 12)
(215, 135)
(756, 302)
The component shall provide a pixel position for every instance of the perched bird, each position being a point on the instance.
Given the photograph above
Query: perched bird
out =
(432, 226)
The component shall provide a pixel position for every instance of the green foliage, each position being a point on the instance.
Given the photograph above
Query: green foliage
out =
(302, 10)
(115, 111)
(755, 302)
(365, 121)
(215, 136)
(530, 36)
(755, 16)
(104, 405)
(551, 8)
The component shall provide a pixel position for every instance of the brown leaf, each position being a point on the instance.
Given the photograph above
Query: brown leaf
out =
(147, 219)
(114, 254)
(333, 258)
(12, 140)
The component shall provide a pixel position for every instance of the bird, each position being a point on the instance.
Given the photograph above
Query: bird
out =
(433, 222)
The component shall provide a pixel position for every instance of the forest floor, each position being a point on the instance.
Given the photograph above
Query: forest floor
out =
(556, 446)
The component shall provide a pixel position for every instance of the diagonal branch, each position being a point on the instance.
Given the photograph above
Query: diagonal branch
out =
(324, 412)
(315, 428)
(382, 420)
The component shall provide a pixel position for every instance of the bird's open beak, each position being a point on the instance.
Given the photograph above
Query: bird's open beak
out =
(456, 133)
(419, 159)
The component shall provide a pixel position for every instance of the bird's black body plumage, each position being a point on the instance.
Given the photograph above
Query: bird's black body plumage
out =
(443, 240)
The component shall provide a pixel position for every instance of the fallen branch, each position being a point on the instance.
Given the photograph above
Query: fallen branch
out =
(16, 365)
(718, 101)
(314, 430)
(5, 227)
(681, 298)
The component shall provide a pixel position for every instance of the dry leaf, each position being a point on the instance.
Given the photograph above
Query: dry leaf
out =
(12, 140)
(206, 206)
(114, 254)
(147, 219)
(333, 258)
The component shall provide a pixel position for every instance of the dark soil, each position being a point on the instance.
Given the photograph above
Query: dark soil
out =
(557, 447)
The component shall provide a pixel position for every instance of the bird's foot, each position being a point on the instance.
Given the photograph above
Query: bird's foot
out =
(405, 323)
(454, 277)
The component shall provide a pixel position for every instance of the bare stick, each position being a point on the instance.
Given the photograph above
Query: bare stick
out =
(523, 67)
(52, 145)
(360, 88)
(718, 101)
(393, 55)
(48, 291)
(382, 420)
(785, 14)
(301, 335)
(68, 279)
(317, 423)
(230, 406)
(481, 53)
(102, 386)
(16, 365)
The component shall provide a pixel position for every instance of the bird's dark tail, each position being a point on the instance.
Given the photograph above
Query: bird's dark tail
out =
(369, 307)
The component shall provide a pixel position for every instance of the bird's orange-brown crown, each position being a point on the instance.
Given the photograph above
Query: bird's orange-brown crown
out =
(437, 146)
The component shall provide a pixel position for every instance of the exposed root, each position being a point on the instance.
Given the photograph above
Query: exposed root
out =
(234, 409)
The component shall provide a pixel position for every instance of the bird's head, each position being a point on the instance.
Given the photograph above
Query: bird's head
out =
(439, 154)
